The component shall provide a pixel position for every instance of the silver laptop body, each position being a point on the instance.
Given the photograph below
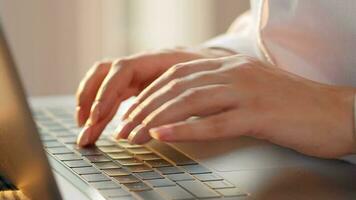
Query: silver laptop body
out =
(242, 168)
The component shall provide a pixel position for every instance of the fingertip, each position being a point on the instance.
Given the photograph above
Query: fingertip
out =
(84, 137)
(139, 135)
(123, 130)
(163, 133)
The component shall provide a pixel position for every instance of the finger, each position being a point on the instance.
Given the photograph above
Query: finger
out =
(173, 89)
(91, 132)
(228, 124)
(87, 90)
(116, 84)
(202, 101)
(176, 72)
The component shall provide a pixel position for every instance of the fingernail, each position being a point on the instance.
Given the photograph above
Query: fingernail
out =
(163, 133)
(139, 135)
(95, 113)
(123, 129)
(84, 137)
(80, 121)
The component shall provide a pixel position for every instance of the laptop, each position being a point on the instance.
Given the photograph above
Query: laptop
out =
(39, 157)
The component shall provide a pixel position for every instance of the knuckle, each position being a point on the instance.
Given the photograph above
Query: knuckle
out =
(122, 63)
(178, 70)
(99, 67)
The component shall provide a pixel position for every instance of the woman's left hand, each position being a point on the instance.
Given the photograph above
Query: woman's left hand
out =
(238, 95)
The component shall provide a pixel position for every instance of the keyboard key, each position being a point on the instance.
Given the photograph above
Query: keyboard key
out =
(67, 157)
(55, 128)
(47, 138)
(121, 198)
(169, 170)
(208, 177)
(130, 162)
(231, 192)
(77, 163)
(149, 195)
(195, 169)
(148, 175)
(62, 132)
(138, 168)
(127, 179)
(125, 144)
(111, 149)
(86, 170)
(105, 185)
(68, 140)
(139, 186)
(180, 177)
(107, 165)
(160, 182)
(141, 150)
(95, 177)
(59, 150)
(88, 151)
(219, 184)
(174, 193)
(150, 156)
(104, 143)
(116, 172)
(172, 154)
(118, 192)
(198, 189)
(120, 155)
(157, 163)
(52, 144)
(97, 158)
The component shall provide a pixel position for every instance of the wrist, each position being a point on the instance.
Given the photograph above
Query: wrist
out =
(348, 99)
(215, 52)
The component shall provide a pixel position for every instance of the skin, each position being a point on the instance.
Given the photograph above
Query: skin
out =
(232, 96)
(107, 84)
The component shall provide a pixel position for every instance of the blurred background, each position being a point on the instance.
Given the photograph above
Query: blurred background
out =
(55, 42)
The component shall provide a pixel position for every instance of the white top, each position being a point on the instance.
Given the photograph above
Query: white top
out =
(314, 39)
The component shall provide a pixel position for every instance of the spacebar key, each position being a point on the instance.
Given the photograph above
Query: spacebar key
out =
(198, 189)
(174, 193)
(172, 154)
(149, 195)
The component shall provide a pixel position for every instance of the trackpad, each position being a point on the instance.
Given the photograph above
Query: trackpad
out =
(243, 154)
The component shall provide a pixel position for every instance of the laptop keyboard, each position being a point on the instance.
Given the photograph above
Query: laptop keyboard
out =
(119, 170)
(9, 192)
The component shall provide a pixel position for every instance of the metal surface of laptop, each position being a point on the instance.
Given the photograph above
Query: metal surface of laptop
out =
(22, 159)
(218, 170)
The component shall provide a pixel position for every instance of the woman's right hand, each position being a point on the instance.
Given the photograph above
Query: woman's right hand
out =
(107, 84)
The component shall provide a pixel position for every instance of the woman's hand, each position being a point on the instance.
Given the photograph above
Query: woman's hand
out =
(233, 96)
(107, 84)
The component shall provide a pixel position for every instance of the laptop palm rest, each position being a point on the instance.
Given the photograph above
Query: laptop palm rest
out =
(244, 154)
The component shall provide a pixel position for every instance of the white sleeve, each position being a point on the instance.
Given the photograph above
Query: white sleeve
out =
(240, 37)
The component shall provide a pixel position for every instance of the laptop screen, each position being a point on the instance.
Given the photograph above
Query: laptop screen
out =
(22, 159)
